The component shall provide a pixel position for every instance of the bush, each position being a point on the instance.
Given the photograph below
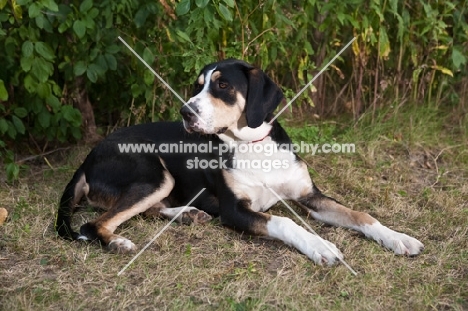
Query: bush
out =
(63, 62)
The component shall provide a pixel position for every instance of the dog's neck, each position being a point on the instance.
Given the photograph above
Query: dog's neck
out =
(246, 134)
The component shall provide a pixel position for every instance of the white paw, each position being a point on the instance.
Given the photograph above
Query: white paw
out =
(82, 238)
(323, 252)
(194, 216)
(314, 247)
(399, 243)
(402, 244)
(121, 245)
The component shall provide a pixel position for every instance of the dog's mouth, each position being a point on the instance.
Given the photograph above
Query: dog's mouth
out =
(191, 127)
(221, 130)
(196, 127)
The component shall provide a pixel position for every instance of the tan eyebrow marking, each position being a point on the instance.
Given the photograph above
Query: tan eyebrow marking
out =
(215, 75)
(201, 79)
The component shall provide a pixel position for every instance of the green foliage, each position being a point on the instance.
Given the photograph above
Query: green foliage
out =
(414, 48)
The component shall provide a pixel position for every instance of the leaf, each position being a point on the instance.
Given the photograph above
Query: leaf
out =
(51, 5)
(102, 63)
(72, 115)
(42, 69)
(3, 3)
(63, 27)
(384, 47)
(112, 49)
(183, 36)
(17, 11)
(40, 21)
(90, 24)
(18, 124)
(79, 68)
(183, 7)
(458, 58)
(202, 3)
(230, 3)
(76, 132)
(34, 10)
(54, 103)
(91, 73)
(97, 68)
(44, 118)
(148, 77)
(30, 84)
(43, 90)
(225, 13)
(86, 5)
(141, 16)
(79, 27)
(44, 50)
(67, 112)
(148, 56)
(443, 70)
(12, 171)
(136, 90)
(93, 13)
(11, 131)
(27, 48)
(111, 61)
(20, 112)
(3, 91)
(3, 126)
(207, 16)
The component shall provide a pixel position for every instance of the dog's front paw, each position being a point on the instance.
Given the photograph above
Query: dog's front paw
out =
(120, 245)
(323, 252)
(399, 243)
(402, 244)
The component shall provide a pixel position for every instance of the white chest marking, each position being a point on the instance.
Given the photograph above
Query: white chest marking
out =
(260, 167)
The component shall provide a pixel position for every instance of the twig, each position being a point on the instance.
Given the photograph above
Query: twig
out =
(254, 39)
(437, 157)
(40, 155)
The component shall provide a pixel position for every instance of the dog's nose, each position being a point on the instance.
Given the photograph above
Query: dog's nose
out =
(188, 111)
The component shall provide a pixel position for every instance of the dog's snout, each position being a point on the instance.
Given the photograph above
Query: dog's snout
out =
(189, 111)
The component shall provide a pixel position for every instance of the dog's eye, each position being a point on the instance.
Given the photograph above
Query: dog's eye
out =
(222, 85)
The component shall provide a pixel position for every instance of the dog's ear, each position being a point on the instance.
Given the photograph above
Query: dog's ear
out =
(263, 96)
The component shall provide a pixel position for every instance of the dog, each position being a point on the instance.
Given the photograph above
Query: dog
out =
(232, 105)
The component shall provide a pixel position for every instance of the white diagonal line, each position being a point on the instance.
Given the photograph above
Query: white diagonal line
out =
(151, 69)
(159, 77)
(313, 231)
(311, 81)
(160, 232)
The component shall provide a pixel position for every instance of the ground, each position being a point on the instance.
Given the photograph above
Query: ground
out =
(413, 184)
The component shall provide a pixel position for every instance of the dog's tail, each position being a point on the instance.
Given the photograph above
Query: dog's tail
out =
(72, 194)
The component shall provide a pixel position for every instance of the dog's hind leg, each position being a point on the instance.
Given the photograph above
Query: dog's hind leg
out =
(135, 200)
(190, 215)
(73, 193)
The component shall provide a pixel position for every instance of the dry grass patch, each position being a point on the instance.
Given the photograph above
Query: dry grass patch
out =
(212, 268)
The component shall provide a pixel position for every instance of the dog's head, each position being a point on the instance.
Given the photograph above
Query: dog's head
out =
(228, 95)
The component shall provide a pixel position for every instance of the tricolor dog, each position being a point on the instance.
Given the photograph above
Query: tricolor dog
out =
(232, 105)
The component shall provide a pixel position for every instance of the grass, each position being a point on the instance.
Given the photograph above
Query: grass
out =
(409, 171)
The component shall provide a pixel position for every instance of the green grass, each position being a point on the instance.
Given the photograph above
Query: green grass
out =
(409, 171)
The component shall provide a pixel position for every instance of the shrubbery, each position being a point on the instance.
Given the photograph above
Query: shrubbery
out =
(62, 62)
